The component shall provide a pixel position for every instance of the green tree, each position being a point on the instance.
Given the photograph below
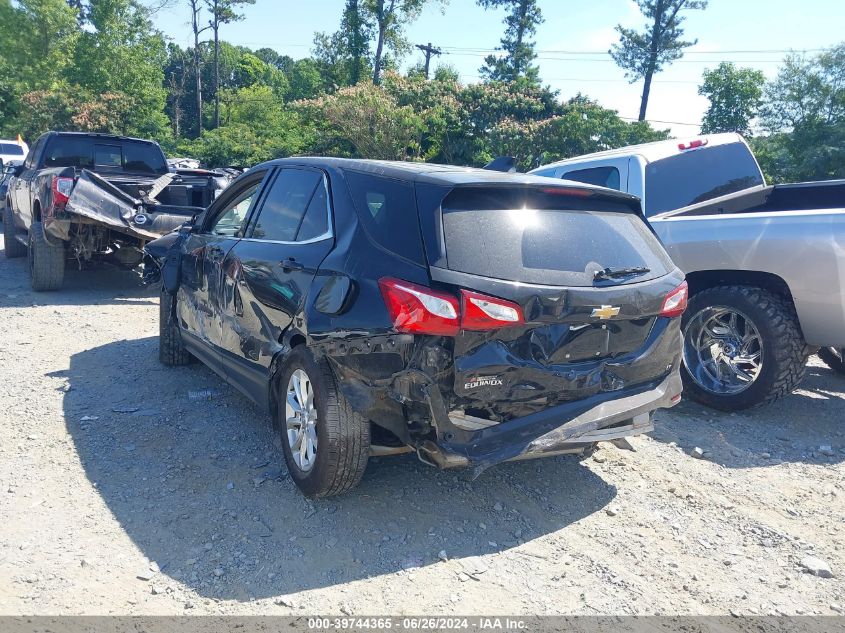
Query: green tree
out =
(37, 38)
(305, 80)
(524, 16)
(121, 54)
(390, 17)
(735, 95)
(222, 12)
(803, 112)
(197, 29)
(370, 121)
(645, 53)
(344, 56)
(176, 73)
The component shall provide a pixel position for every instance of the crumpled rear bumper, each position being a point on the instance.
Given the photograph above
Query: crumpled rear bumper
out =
(568, 427)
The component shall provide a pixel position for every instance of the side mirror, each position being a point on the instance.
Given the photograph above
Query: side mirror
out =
(17, 170)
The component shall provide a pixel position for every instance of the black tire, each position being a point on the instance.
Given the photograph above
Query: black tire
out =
(343, 436)
(171, 350)
(834, 358)
(784, 352)
(11, 246)
(46, 260)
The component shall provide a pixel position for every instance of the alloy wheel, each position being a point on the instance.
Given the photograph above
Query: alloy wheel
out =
(301, 420)
(723, 350)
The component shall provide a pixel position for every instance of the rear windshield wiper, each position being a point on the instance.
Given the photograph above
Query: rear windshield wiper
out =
(615, 273)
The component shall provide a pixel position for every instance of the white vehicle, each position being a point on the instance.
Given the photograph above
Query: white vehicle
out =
(12, 151)
(763, 263)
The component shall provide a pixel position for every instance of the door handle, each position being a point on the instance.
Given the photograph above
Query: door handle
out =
(290, 264)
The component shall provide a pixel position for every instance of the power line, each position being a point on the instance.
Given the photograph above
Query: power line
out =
(708, 52)
(611, 61)
(592, 79)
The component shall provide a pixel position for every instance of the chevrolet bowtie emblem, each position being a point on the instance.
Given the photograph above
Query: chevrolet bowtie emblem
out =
(605, 312)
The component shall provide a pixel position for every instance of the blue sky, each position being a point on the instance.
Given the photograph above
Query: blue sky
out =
(571, 26)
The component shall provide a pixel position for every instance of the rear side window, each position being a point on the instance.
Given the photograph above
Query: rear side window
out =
(601, 176)
(699, 175)
(288, 199)
(554, 240)
(143, 158)
(388, 210)
(12, 149)
(70, 152)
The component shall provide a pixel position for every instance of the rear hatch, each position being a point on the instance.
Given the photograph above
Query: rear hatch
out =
(582, 275)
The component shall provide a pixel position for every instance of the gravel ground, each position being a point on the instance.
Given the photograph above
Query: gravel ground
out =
(119, 494)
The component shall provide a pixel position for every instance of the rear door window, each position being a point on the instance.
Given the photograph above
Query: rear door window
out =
(534, 237)
(699, 175)
(387, 208)
(601, 176)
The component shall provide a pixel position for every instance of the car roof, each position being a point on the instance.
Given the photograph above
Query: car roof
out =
(433, 173)
(651, 151)
(114, 137)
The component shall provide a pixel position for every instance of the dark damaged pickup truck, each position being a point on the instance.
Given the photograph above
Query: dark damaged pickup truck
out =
(471, 316)
(83, 196)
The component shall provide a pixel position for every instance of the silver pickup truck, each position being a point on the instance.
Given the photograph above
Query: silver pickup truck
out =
(765, 264)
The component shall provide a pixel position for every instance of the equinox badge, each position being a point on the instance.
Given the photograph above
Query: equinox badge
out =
(605, 312)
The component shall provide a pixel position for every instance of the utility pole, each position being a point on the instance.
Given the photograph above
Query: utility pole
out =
(429, 50)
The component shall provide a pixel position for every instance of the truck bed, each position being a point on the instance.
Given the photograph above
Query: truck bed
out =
(804, 196)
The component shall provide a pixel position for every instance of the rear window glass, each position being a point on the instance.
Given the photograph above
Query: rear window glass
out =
(699, 175)
(544, 239)
(387, 208)
(601, 176)
(96, 153)
(11, 148)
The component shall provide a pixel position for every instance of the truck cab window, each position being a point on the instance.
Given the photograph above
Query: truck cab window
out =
(601, 176)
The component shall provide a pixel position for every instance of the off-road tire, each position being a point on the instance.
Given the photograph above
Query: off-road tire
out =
(11, 246)
(833, 358)
(171, 350)
(784, 351)
(343, 436)
(46, 260)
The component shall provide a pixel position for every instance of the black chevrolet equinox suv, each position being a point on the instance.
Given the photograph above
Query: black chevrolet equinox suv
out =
(471, 316)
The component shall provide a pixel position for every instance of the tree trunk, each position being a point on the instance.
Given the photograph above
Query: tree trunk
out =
(656, 34)
(646, 91)
(216, 74)
(520, 35)
(377, 60)
(197, 69)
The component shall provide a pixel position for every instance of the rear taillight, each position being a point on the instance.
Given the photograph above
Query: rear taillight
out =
(675, 302)
(61, 190)
(420, 310)
(480, 312)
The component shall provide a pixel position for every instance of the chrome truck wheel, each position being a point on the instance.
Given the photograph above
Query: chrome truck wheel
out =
(723, 350)
(743, 347)
(301, 420)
